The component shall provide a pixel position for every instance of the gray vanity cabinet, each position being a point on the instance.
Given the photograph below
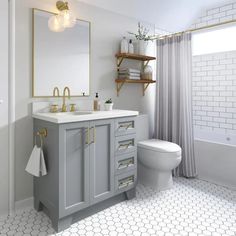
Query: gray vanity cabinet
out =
(74, 167)
(101, 160)
(86, 166)
(91, 165)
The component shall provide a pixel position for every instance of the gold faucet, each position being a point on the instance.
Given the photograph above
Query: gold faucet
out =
(56, 92)
(66, 89)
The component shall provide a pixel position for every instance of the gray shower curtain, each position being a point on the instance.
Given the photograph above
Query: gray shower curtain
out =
(174, 98)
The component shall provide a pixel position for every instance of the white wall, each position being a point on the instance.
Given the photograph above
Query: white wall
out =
(107, 31)
(170, 15)
(4, 108)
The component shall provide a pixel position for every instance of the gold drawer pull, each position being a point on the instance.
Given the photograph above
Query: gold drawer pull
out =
(126, 182)
(126, 126)
(125, 145)
(125, 163)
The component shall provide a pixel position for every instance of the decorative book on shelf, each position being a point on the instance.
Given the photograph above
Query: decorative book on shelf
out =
(121, 81)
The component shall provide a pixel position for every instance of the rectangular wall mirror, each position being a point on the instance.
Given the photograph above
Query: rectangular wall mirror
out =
(60, 59)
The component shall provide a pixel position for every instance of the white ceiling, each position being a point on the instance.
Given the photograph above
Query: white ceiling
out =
(169, 15)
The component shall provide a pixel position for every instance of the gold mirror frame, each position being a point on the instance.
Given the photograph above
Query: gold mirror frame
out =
(33, 49)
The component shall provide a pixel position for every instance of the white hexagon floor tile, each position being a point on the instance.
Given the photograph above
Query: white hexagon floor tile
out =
(192, 207)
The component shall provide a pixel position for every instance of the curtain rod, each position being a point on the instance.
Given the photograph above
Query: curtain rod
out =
(200, 28)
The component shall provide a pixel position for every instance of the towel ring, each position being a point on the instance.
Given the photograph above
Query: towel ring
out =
(42, 133)
(41, 140)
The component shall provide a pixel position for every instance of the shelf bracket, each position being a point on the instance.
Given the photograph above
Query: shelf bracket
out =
(119, 61)
(145, 86)
(118, 87)
(145, 64)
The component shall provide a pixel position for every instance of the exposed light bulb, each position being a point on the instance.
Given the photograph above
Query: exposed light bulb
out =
(68, 18)
(55, 24)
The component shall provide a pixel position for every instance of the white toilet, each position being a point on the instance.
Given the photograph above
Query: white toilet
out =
(157, 159)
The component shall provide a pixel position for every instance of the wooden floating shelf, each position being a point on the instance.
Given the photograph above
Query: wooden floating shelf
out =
(135, 81)
(144, 59)
(121, 82)
(135, 57)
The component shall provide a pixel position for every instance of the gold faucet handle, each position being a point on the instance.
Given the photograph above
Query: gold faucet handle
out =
(64, 108)
(54, 108)
(72, 107)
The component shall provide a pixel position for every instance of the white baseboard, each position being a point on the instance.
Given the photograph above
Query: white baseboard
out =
(24, 204)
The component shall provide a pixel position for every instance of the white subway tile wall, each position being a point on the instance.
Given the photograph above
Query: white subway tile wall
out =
(214, 92)
(214, 80)
(216, 15)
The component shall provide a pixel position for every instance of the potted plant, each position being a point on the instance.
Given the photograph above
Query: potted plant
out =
(108, 105)
(143, 38)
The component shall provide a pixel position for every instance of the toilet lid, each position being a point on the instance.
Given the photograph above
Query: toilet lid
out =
(159, 146)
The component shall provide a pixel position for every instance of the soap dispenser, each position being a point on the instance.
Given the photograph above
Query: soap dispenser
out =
(96, 103)
(124, 46)
(131, 47)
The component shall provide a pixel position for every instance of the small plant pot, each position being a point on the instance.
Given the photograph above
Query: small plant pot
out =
(108, 106)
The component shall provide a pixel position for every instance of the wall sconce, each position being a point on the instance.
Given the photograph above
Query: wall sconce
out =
(65, 18)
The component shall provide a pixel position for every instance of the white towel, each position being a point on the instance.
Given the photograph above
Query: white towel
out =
(43, 168)
(129, 70)
(36, 164)
(130, 77)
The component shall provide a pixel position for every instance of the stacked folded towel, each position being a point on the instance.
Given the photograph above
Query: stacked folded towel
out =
(128, 73)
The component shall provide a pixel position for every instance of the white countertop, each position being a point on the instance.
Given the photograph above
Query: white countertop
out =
(69, 117)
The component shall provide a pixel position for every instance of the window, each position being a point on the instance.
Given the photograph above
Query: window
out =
(214, 41)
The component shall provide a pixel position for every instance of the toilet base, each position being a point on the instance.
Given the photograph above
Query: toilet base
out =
(157, 180)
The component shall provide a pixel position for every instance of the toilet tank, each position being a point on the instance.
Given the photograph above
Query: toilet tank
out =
(142, 127)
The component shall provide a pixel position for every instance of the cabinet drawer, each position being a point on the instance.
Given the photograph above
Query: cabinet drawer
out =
(126, 181)
(125, 126)
(125, 144)
(126, 163)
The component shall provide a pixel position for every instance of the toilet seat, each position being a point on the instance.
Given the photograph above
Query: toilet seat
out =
(161, 146)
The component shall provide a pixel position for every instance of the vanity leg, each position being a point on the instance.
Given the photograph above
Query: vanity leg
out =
(130, 194)
(61, 224)
(38, 206)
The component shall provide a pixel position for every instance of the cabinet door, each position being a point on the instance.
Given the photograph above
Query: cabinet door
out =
(74, 167)
(101, 160)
